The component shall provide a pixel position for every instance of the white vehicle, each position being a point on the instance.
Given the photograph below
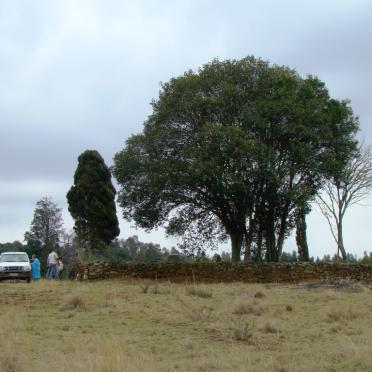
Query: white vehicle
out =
(15, 265)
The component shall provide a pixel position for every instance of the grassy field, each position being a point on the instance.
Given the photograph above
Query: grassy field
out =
(149, 326)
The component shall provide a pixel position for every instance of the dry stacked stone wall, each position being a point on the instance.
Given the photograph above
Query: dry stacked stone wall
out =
(225, 272)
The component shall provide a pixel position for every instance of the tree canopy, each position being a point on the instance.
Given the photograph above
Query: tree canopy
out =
(46, 225)
(234, 148)
(91, 202)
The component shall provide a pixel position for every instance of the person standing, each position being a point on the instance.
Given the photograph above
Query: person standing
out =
(35, 268)
(52, 265)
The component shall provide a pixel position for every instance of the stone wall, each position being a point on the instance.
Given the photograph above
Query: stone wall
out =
(224, 272)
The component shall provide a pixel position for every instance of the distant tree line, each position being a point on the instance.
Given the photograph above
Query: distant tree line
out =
(47, 232)
(133, 250)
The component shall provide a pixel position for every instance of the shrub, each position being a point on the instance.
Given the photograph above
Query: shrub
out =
(247, 308)
(199, 292)
(202, 314)
(259, 294)
(145, 285)
(243, 331)
(197, 313)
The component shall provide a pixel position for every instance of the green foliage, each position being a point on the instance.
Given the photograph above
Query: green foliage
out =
(289, 257)
(131, 249)
(367, 258)
(336, 258)
(91, 202)
(15, 246)
(233, 150)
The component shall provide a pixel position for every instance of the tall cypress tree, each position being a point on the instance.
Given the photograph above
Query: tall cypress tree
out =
(91, 202)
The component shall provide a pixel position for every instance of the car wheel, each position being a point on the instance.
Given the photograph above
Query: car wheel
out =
(28, 280)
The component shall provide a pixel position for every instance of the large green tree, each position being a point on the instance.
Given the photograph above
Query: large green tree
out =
(46, 225)
(91, 202)
(241, 144)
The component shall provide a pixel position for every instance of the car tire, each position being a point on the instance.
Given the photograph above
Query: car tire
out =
(28, 280)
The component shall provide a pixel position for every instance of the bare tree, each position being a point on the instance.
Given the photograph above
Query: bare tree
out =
(350, 188)
(68, 245)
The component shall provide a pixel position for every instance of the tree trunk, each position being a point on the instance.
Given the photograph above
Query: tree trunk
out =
(270, 246)
(259, 246)
(301, 238)
(271, 251)
(248, 238)
(283, 228)
(236, 245)
(340, 239)
(247, 247)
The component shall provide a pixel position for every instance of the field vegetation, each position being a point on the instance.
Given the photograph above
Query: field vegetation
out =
(151, 326)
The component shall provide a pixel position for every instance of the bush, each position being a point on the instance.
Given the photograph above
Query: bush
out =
(243, 331)
(247, 308)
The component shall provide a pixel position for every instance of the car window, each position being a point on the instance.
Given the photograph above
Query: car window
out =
(14, 258)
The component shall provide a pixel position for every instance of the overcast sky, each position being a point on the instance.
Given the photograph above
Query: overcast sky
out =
(77, 75)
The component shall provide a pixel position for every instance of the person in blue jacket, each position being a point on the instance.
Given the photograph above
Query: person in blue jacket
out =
(35, 268)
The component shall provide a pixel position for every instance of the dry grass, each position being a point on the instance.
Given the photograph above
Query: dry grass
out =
(75, 301)
(201, 314)
(243, 331)
(336, 284)
(289, 308)
(9, 361)
(199, 292)
(145, 285)
(196, 312)
(156, 288)
(247, 308)
(112, 326)
(268, 327)
(342, 315)
(150, 286)
(259, 294)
